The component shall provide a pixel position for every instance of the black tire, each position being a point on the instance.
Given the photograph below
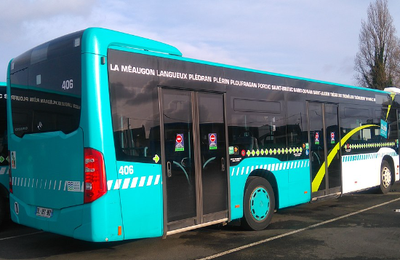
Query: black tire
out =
(259, 204)
(386, 178)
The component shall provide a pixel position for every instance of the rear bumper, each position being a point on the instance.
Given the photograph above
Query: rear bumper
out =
(63, 221)
(77, 221)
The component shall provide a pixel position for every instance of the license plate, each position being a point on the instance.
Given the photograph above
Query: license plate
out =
(44, 212)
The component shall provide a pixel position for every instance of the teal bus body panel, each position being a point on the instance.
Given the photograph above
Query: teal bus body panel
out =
(57, 158)
(96, 122)
(101, 220)
(63, 221)
(96, 222)
(292, 178)
(96, 105)
(140, 187)
(140, 219)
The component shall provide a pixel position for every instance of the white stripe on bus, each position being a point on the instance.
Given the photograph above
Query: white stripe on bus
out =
(157, 180)
(47, 184)
(149, 180)
(142, 180)
(117, 184)
(134, 182)
(126, 183)
(271, 167)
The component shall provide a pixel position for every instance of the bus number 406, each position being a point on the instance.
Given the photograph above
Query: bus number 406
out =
(126, 170)
(67, 84)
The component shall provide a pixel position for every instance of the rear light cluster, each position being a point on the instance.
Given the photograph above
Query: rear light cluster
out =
(95, 175)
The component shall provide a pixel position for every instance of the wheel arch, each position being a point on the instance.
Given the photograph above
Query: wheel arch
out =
(270, 177)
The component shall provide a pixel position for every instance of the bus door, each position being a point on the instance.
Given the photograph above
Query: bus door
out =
(324, 141)
(194, 160)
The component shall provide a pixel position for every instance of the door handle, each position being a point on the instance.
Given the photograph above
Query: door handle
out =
(169, 169)
(223, 164)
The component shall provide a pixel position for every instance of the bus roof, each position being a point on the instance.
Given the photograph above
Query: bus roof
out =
(3, 84)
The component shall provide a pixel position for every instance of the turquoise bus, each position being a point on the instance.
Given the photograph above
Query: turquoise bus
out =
(4, 178)
(114, 136)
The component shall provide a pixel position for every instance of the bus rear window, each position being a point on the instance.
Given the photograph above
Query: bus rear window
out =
(46, 87)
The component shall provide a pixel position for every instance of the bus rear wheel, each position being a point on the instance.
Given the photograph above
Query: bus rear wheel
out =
(259, 204)
(386, 178)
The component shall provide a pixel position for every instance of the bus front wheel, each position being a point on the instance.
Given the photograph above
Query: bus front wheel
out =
(386, 177)
(259, 204)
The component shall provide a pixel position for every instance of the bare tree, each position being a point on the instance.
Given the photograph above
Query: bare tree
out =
(378, 60)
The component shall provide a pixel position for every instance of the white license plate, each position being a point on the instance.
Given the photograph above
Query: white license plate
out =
(44, 212)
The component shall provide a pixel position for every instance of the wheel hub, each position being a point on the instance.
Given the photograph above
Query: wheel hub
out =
(386, 177)
(259, 204)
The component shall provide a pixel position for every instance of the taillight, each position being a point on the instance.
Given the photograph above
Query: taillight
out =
(95, 175)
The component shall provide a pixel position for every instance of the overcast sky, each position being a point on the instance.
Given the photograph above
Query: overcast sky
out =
(306, 38)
